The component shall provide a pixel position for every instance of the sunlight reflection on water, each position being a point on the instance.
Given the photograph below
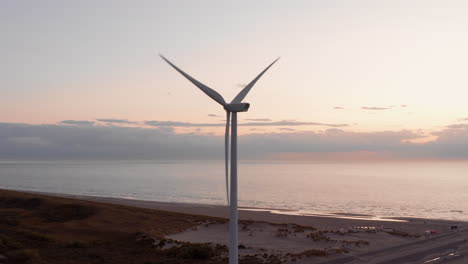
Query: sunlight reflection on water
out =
(392, 189)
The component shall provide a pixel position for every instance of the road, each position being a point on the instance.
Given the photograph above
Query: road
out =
(450, 248)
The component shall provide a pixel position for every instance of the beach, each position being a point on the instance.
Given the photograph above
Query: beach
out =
(281, 216)
(259, 230)
(103, 225)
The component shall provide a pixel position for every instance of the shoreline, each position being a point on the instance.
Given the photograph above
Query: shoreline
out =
(280, 211)
(279, 216)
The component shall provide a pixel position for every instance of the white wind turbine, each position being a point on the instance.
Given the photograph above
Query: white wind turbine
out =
(235, 106)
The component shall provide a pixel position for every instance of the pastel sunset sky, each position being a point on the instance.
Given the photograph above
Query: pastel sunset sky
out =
(382, 77)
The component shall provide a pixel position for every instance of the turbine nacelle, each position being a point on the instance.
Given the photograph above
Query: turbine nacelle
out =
(237, 107)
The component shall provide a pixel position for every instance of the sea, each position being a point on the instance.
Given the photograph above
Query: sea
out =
(436, 190)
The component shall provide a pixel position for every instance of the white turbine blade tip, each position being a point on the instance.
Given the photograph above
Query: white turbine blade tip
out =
(242, 94)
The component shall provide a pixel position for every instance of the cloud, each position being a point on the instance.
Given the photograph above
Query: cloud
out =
(457, 126)
(54, 142)
(374, 108)
(241, 85)
(463, 119)
(213, 115)
(27, 140)
(335, 141)
(180, 124)
(287, 129)
(259, 119)
(403, 105)
(452, 142)
(256, 124)
(118, 121)
(77, 122)
(338, 107)
(292, 123)
(58, 142)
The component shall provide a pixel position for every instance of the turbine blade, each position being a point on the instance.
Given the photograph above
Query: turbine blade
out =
(226, 152)
(207, 90)
(249, 86)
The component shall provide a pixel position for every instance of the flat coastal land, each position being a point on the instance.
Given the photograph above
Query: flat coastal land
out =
(60, 228)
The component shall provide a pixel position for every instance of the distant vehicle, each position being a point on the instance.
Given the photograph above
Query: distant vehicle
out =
(371, 229)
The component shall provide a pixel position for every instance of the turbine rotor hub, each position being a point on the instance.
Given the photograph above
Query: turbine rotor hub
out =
(237, 107)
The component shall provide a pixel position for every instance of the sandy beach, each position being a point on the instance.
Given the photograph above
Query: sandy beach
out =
(413, 225)
(164, 231)
(292, 237)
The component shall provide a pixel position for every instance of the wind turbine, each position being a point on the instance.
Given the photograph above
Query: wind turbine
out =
(235, 106)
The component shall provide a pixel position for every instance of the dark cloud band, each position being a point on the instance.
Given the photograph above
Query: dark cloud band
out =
(77, 122)
(118, 121)
(23, 141)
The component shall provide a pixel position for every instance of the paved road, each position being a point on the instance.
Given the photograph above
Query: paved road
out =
(438, 249)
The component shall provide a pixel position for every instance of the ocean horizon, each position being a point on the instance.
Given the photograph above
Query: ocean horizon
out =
(435, 190)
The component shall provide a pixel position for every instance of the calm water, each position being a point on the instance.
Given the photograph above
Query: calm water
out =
(418, 189)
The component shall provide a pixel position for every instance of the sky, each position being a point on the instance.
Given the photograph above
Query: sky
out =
(365, 79)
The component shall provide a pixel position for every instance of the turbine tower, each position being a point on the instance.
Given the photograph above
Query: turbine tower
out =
(232, 108)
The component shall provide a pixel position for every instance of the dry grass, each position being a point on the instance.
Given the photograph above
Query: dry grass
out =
(40, 229)
(402, 234)
(310, 253)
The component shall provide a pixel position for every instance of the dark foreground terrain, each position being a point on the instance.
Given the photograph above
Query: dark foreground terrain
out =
(42, 229)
